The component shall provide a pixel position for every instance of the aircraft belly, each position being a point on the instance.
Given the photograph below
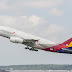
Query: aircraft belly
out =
(38, 46)
(43, 46)
(47, 45)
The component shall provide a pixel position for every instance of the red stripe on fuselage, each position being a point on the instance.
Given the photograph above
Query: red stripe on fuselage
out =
(55, 48)
(59, 46)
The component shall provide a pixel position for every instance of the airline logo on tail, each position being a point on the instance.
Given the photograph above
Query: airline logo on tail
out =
(70, 45)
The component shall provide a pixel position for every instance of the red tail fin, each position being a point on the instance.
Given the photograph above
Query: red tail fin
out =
(67, 42)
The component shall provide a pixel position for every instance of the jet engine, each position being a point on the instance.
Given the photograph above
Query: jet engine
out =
(16, 40)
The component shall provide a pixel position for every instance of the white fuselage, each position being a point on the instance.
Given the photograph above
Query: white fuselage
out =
(9, 32)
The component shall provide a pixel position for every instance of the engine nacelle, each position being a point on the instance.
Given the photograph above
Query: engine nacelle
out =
(16, 40)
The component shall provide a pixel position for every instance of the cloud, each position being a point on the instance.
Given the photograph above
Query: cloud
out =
(3, 4)
(22, 21)
(7, 20)
(53, 28)
(55, 33)
(35, 20)
(42, 3)
(24, 4)
(21, 7)
(56, 12)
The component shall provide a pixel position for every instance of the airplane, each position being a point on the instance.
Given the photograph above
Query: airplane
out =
(33, 43)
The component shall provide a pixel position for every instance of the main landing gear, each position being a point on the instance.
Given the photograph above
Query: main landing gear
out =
(31, 49)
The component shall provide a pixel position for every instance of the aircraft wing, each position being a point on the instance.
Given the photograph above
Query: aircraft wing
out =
(30, 42)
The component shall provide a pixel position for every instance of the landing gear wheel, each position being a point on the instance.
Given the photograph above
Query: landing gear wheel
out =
(36, 50)
(33, 49)
(26, 47)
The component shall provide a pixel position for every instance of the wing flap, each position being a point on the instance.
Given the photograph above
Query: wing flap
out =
(30, 42)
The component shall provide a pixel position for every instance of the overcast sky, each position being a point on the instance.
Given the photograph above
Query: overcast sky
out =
(50, 19)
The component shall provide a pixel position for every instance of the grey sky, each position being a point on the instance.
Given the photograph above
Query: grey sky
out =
(50, 19)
